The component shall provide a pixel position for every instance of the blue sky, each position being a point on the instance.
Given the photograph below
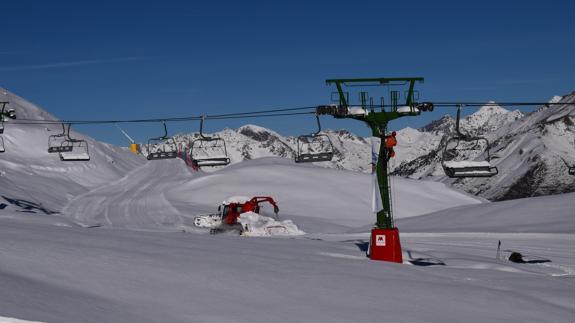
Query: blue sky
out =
(102, 60)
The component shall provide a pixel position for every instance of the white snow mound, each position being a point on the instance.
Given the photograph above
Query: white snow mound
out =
(13, 320)
(263, 226)
(236, 199)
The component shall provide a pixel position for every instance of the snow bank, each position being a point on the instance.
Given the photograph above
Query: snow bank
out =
(236, 199)
(407, 109)
(357, 111)
(317, 199)
(548, 214)
(263, 226)
(13, 320)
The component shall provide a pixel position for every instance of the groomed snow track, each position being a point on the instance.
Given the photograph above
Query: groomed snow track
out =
(135, 201)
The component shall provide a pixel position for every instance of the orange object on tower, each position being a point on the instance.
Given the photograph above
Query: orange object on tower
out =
(391, 141)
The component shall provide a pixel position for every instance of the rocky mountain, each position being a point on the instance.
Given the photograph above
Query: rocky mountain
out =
(485, 122)
(351, 152)
(532, 152)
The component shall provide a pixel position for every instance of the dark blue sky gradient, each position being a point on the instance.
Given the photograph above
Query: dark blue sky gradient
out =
(119, 60)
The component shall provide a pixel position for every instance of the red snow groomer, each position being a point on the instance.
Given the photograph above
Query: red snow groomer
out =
(230, 210)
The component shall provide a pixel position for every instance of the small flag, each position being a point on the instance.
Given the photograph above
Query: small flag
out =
(376, 203)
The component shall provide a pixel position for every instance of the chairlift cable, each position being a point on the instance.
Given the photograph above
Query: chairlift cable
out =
(263, 113)
(269, 113)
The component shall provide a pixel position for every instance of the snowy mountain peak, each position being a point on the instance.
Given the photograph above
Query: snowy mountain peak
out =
(445, 124)
(409, 134)
(491, 108)
(24, 109)
(258, 133)
(489, 118)
(555, 99)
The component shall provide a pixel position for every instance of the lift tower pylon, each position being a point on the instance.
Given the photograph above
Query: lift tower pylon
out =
(384, 243)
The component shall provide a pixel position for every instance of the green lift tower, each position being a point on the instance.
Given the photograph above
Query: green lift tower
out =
(384, 242)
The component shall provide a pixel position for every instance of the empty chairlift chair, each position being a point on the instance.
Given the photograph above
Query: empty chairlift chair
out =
(10, 113)
(163, 147)
(79, 151)
(572, 168)
(57, 143)
(466, 156)
(315, 147)
(208, 151)
(2, 149)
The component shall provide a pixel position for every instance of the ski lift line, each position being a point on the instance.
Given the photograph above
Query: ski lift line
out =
(263, 111)
(172, 119)
(100, 122)
(89, 122)
(261, 115)
(480, 104)
(269, 113)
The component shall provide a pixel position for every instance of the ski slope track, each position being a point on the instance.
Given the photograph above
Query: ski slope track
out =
(112, 240)
(165, 195)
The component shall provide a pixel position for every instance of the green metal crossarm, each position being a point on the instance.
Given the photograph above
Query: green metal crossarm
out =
(378, 81)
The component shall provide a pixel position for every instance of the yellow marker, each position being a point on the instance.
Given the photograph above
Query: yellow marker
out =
(134, 148)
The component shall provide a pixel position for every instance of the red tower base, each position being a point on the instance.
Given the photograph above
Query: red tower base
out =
(385, 245)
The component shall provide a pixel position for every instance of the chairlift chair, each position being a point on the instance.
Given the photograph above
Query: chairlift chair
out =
(572, 168)
(57, 143)
(458, 159)
(10, 113)
(208, 151)
(78, 151)
(163, 147)
(315, 147)
(2, 149)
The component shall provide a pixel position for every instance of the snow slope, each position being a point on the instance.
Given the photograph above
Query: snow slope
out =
(555, 214)
(34, 180)
(165, 195)
(71, 274)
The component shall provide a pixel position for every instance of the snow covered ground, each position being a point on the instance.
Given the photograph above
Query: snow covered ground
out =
(112, 240)
(166, 195)
(545, 214)
(70, 274)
